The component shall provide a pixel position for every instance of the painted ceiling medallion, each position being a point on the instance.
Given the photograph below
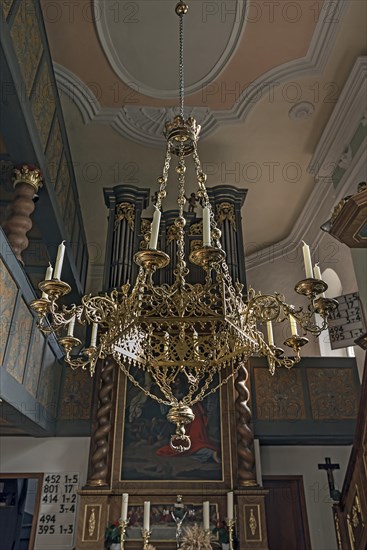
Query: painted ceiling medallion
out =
(129, 41)
(301, 111)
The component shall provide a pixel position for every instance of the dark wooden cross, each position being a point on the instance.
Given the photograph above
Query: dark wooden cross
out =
(334, 493)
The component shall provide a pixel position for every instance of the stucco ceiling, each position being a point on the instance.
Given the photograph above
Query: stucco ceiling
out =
(263, 79)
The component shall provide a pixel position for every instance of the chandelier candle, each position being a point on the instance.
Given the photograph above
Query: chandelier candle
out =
(293, 324)
(307, 260)
(71, 326)
(155, 229)
(206, 226)
(317, 275)
(59, 260)
(48, 277)
(93, 339)
(269, 328)
(206, 520)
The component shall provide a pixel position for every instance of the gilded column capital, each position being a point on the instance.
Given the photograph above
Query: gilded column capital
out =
(30, 174)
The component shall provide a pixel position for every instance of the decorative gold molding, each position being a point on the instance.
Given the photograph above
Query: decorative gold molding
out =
(195, 244)
(357, 502)
(252, 522)
(337, 531)
(350, 532)
(91, 522)
(145, 226)
(225, 211)
(125, 211)
(172, 233)
(196, 229)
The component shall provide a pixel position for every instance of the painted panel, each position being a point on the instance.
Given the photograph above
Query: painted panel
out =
(27, 41)
(43, 108)
(279, 397)
(6, 5)
(34, 363)
(332, 393)
(69, 215)
(49, 382)
(21, 330)
(76, 395)
(63, 185)
(8, 296)
(54, 151)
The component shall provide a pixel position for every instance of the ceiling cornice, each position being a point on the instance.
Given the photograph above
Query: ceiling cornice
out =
(324, 196)
(144, 125)
(348, 113)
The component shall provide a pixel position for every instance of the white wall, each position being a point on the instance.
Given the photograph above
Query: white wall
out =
(70, 454)
(35, 455)
(291, 460)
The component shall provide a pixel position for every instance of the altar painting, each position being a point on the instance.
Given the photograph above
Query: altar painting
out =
(146, 453)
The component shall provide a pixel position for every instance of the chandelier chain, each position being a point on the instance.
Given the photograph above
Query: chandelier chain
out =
(181, 270)
(181, 66)
(162, 180)
(202, 395)
(137, 385)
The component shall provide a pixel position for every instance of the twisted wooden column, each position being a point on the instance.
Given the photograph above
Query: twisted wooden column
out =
(100, 439)
(27, 180)
(245, 437)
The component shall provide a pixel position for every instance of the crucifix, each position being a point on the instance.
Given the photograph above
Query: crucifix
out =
(334, 493)
(178, 514)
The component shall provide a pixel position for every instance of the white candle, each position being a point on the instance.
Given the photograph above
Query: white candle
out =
(206, 521)
(307, 260)
(155, 229)
(59, 260)
(71, 326)
(146, 515)
(230, 505)
(48, 277)
(206, 227)
(317, 275)
(269, 328)
(93, 340)
(293, 324)
(317, 272)
(49, 271)
(125, 501)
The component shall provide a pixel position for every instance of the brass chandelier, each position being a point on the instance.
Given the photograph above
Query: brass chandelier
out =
(195, 336)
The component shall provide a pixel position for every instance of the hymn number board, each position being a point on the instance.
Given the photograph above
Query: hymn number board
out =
(56, 521)
(346, 321)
